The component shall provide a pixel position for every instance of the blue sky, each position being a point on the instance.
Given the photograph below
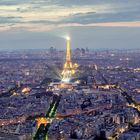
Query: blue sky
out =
(90, 23)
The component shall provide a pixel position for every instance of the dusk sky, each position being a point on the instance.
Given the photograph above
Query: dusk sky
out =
(36, 24)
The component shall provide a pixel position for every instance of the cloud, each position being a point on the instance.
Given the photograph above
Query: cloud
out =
(50, 27)
(31, 14)
(93, 17)
(4, 20)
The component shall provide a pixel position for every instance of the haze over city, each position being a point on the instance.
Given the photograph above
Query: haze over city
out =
(95, 24)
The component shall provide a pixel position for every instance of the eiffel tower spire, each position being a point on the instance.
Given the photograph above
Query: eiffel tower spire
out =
(68, 51)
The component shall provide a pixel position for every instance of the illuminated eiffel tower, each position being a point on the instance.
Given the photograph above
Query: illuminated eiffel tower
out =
(68, 69)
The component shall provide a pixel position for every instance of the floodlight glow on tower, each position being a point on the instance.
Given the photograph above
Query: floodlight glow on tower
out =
(67, 38)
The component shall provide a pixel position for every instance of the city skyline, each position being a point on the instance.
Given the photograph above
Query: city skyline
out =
(70, 69)
(93, 24)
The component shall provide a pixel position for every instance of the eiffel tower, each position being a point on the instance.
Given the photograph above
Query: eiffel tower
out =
(68, 70)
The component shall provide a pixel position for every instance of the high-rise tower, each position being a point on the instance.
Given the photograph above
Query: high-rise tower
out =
(68, 70)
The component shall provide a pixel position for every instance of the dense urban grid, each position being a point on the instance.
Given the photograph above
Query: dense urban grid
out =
(102, 101)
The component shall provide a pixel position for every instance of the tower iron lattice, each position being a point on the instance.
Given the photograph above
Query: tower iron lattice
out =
(68, 69)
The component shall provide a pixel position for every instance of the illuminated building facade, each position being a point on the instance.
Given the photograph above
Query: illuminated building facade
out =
(68, 69)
